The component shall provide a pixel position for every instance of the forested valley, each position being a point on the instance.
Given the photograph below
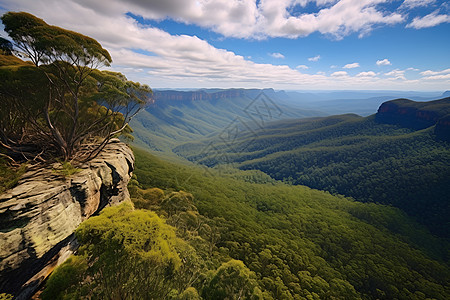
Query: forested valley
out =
(337, 207)
(366, 158)
(240, 234)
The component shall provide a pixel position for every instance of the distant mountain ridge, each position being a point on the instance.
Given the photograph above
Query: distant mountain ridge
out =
(163, 97)
(182, 116)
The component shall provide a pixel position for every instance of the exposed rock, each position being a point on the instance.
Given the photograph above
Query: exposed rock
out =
(38, 216)
(417, 115)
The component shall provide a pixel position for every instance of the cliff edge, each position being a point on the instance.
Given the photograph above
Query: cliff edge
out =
(38, 216)
(418, 115)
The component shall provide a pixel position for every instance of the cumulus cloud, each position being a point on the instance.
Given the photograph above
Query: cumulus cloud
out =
(351, 66)
(429, 20)
(431, 73)
(338, 20)
(339, 74)
(383, 62)
(438, 77)
(302, 67)
(315, 58)
(153, 56)
(366, 74)
(276, 55)
(396, 74)
(260, 19)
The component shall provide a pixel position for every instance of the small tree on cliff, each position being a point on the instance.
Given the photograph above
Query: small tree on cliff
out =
(61, 103)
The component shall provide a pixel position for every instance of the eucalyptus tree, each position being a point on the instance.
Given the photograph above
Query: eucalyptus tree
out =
(71, 109)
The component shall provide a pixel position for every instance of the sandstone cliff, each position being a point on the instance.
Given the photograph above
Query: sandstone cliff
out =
(417, 115)
(38, 216)
(167, 97)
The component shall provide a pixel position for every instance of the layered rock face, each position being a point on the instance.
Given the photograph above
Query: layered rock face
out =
(418, 115)
(165, 97)
(38, 216)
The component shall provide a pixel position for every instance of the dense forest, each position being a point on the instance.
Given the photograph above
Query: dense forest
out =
(195, 232)
(350, 155)
(240, 234)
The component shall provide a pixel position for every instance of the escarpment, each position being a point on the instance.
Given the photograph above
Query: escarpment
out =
(167, 97)
(38, 216)
(417, 115)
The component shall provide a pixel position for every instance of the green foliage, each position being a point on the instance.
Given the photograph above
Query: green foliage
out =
(352, 156)
(66, 169)
(9, 175)
(300, 243)
(232, 280)
(4, 296)
(64, 281)
(189, 294)
(124, 254)
(41, 42)
(61, 105)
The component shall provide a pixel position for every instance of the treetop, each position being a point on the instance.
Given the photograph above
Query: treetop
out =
(44, 43)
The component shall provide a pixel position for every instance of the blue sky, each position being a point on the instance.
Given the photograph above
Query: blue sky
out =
(283, 44)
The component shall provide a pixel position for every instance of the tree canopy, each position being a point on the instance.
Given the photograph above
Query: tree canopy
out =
(61, 104)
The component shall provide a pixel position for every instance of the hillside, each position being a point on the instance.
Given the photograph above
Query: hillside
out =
(242, 233)
(302, 242)
(182, 116)
(361, 157)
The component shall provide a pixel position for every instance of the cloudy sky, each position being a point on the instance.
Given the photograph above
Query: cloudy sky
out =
(283, 44)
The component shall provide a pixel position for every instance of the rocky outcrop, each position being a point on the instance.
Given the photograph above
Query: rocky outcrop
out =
(417, 115)
(38, 216)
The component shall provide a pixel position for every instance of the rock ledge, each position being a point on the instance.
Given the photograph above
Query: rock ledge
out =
(38, 216)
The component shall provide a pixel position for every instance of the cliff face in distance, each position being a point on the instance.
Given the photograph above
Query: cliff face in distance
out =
(38, 216)
(163, 97)
(418, 115)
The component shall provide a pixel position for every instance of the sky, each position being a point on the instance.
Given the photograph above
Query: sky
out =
(280, 44)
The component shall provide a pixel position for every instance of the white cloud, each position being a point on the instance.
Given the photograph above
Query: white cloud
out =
(302, 67)
(366, 74)
(351, 66)
(342, 18)
(409, 4)
(339, 74)
(429, 20)
(383, 62)
(396, 74)
(430, 73)
(276, 55)
(315, 58)
(258, 19)
(412, 69)
(181, 61)
(438, 77)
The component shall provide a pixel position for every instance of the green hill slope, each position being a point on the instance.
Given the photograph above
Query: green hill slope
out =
(178, 117)
(303, 243)
(360, 157)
